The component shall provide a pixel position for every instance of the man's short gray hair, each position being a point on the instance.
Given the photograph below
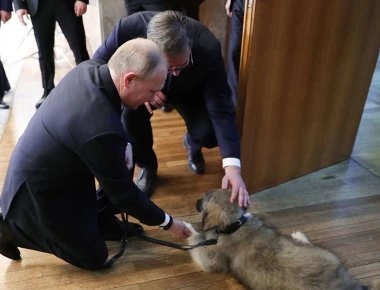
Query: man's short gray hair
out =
(170, 31)
(139, 55)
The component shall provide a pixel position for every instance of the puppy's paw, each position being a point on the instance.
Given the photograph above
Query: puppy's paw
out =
(298, 236)
(191, 228)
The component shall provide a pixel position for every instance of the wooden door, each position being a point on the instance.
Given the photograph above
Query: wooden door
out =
(306, 68)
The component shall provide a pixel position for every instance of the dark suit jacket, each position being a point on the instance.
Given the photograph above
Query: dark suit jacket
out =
(6, 5)
(32, 5)
(74, 136)
(207, 75)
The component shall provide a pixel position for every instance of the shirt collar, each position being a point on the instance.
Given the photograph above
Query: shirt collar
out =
(109, 86)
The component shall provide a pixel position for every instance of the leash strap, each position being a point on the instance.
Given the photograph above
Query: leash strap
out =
(123, 245)
(142, 236)
(177, 246)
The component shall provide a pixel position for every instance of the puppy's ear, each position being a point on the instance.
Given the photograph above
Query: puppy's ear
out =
(213, 217)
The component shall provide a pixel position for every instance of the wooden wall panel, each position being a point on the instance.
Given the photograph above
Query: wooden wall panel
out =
(309, 67)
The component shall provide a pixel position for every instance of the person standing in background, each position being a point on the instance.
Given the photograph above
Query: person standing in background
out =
(189, 8)
(44, 14)
(133, 6)
(234, 10)
(5, 15)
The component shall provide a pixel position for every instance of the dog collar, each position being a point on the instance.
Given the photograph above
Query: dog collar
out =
(231, 228)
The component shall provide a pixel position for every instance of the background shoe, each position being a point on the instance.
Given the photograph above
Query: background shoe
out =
(7, 248)
(196, 160)
(42, 99)
(146, 180)
(3, 105)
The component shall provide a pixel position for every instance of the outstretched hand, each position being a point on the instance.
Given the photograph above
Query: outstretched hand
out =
(232, 179)
(179, 229)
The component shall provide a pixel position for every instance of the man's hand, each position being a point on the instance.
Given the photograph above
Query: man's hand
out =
(5, 16)
(80, 8)
(179, 229)
(156, 102)
(21, 13)
(232, 179)
(228, 8)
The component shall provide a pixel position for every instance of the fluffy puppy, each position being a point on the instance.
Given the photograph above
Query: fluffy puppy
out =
(258, 256)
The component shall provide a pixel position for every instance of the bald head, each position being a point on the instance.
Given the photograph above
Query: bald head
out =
(139, 55)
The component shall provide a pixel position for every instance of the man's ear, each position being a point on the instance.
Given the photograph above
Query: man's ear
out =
(129, 78)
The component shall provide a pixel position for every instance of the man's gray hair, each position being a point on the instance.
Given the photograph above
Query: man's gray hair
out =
(170, 31)
(138, 55)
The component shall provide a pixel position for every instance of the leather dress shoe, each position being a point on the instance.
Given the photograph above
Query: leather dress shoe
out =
(7, 248)
(3, 105)
(42, 99)
(196, 160)
(146, 180)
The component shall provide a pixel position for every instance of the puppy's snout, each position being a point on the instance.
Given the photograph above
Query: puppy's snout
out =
(198, 205)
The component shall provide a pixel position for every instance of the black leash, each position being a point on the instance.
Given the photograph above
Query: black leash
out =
(177, 246)
(142, 236)
(123, 241)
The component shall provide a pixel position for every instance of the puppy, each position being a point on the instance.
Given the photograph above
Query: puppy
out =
(258, 256)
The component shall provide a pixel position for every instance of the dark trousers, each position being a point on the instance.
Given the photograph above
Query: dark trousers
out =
(49, 12)
(4, 84)
(193, 111)
(234, 47)
(64, 226)
(133, 6)
(189, 8)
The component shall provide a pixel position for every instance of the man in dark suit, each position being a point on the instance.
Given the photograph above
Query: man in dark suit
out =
(44, 15)
(49, 202)
(234, 10)
(196, 86)
(133, 6)
(5, 15)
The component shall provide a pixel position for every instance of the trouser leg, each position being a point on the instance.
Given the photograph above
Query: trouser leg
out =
(234, 50)
(198, 124)
(69, 235)
(44, 28)
(73, 29)
(138, 127)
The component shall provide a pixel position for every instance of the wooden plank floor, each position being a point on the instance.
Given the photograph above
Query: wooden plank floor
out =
(337, 207)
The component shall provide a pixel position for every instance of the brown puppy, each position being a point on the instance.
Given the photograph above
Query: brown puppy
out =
(258, 256)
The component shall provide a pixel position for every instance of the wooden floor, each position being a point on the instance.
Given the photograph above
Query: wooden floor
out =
(337, 207)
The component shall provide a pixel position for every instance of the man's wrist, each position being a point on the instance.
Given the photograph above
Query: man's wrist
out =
(167, 223)
(231, 162)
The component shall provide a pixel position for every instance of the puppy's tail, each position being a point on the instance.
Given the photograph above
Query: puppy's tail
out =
(375, 285)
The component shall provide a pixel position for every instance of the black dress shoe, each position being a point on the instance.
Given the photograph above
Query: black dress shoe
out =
(7, 248)
(113, 229)
(196, 160)
(3, 105)
(146, 180)
(42, 99)
(167, 108)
